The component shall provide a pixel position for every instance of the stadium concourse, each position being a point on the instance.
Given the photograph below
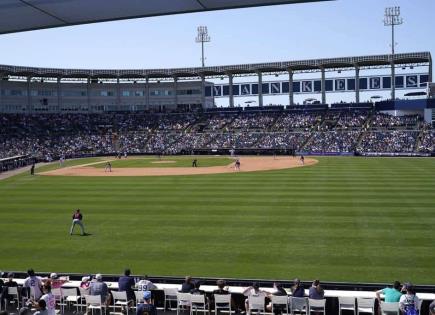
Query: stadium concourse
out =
(321, 131)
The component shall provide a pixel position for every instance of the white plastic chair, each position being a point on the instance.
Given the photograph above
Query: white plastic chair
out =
(222, 301)
(299, 304)
(183, 301)
(139, 297)
(256, 302)
(93, 302)
(170, 297)
(365, 306)
(69, 296)
(119, 300)
(389, 308)
(13, 291)
(346, 303)
(198, 303)
(317, 306)
(280, 301)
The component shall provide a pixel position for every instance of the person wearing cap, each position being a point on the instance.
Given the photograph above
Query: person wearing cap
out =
(85, 284)
(4, 295)
(253, 290)
(409, 302)
(99, 287)
(33, 284)
(391, 295)
(146, 306)
(54, 281)
(77, 219)
(297, 289)
(126, 283)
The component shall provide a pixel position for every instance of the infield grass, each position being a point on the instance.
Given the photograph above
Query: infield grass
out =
(343, 219)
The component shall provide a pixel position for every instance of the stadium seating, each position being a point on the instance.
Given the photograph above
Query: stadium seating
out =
(47, 136)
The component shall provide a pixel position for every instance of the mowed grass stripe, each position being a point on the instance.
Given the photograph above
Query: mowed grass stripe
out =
(344, 219)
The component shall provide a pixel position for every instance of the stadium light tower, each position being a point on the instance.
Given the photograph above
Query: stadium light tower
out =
(202, 38)
(392, 18)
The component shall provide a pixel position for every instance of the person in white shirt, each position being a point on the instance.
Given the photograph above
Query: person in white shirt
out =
(34, 284)
(409, 302)
(145, 285)
(253, 290)
(50, 299)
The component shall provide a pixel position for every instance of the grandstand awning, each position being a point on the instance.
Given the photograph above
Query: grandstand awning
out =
(26, 15)
(345, 63)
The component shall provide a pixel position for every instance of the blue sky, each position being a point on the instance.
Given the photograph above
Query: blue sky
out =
(276, 33)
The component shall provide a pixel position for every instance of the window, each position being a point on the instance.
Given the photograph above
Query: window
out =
(125, 93)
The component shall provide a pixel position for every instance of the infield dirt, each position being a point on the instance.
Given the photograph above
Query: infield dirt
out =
(248, 164)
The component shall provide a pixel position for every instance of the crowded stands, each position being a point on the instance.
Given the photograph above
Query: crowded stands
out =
(49, 136)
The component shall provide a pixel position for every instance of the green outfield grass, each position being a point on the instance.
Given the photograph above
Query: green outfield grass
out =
(169, 161)
(344, 219)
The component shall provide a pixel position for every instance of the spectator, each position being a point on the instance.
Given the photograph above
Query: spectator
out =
(297, 288)
(145, 285)
(409, 302)
(146, 307)
(41, 308)
(187, 285)
(98, 287)
(33, 284)
(390, 294)
(253, 290)
(126, 283)
(316, 292)
(4, 296)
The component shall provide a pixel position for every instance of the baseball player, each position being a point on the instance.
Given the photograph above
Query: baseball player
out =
(77, 219)
(108, 167)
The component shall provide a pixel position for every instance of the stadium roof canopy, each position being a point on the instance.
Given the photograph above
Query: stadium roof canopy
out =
(26, 15)
(310, 65)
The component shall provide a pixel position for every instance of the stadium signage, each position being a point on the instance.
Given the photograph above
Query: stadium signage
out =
(369, 83)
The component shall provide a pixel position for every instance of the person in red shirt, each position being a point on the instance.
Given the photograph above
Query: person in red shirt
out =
(77, 219)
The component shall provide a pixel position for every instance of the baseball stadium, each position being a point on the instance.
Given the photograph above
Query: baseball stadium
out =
(141, 185)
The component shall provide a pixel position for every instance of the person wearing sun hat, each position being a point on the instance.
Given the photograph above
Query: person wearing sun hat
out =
(146, 306)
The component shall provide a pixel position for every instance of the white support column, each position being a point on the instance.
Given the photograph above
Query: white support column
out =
(1, 96)
(357, 94)
(393, 80)
(203, 90)
(290, 87)
(29, 96)
(88, 91)
(323, 86)
(118, 94)
(230, 81)
(260, 88)
(175, 91)
(59, 93)
(147, 93)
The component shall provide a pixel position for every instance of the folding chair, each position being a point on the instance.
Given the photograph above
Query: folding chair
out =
(198, 302)
(93, 302)
(183, 301)
(365, 306)
(69, 296)
(139, 298)
(390, 308)
(317, 306)
(222, 301)
(119, 300)
(82, 300)
(170, 297)
(13, 291)
(278, 301)
(299, 304)
(346, 303)
(256, 302)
